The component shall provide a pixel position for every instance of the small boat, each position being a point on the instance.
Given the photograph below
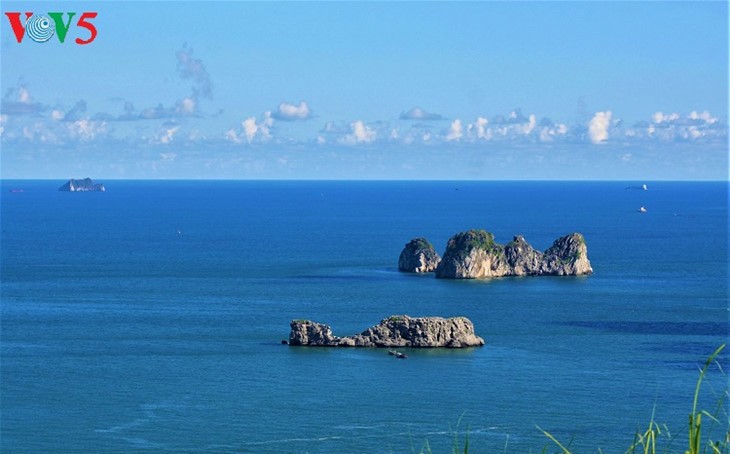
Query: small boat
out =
(400, 355)
(392, 352)
(643, 186)
(642, 210)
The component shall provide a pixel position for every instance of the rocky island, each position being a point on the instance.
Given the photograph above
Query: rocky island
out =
(475, 255)
(85, 185)
(394, 331)
(418, 256)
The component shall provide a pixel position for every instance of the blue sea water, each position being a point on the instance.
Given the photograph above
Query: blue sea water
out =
(149, 318)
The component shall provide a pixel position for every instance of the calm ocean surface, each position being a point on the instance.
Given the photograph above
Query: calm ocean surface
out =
(149, 318)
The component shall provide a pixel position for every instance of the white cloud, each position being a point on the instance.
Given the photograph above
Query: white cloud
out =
(266, 125)
(360, 133)
(186, 106)
(26, 121)
(481, 129)
(252, 129)
(530, 125)
(673, 127)
(659, 117)
(514, 127)
(598, 127)
(694, 133)
(551, 131)
(87, 130)
(292, 112)
(37, 131)
(704, 116)
(167, 134)
(168, 156)
(232, 135)
(455, 131)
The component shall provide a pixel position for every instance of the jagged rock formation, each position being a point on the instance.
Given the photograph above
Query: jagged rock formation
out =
(85, 185)
(475, 255)
(522, 258)
(306, 332)
(567, 256)
(394, 331)
(418, 256)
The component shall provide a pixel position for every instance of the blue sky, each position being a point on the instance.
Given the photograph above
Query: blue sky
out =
(391, 90)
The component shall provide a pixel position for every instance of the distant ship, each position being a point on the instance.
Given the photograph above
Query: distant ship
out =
(643, 187)
(642, 210)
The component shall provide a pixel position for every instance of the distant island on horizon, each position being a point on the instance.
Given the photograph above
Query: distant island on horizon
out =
(85, 185)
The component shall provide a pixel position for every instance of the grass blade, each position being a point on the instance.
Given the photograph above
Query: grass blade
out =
(554, 440)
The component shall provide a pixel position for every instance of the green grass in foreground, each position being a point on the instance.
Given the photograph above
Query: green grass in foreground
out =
(655, 439)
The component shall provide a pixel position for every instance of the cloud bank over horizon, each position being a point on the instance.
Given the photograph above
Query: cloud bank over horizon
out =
(157, 140)
(26, 122)
(188, 133)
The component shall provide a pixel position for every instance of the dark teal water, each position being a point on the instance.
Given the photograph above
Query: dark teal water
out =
(149, 318)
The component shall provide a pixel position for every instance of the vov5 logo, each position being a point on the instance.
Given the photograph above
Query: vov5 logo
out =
(41, 28)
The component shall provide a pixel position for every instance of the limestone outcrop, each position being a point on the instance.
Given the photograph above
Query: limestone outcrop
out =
(85, 185)
(307, 332)
(475, 255)
(418, 256)
(395, 331)
(522, 258)
(568, 256)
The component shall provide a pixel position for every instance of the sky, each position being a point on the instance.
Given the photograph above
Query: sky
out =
(366, 90)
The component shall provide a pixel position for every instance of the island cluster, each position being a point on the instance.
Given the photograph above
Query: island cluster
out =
(475, 255)
(469, 255)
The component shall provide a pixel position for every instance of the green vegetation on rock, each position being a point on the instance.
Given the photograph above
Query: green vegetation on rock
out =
(476, 239)
(423, 243)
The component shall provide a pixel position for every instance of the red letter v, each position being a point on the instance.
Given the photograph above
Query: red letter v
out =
(18, 28)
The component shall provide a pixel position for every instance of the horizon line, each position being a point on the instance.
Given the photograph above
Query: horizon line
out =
(506, 180)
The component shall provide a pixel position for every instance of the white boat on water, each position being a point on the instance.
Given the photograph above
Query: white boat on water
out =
(642, 210)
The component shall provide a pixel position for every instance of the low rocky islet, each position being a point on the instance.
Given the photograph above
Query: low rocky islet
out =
(396, 331)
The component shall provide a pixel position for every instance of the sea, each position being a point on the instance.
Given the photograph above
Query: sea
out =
(150, 317)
